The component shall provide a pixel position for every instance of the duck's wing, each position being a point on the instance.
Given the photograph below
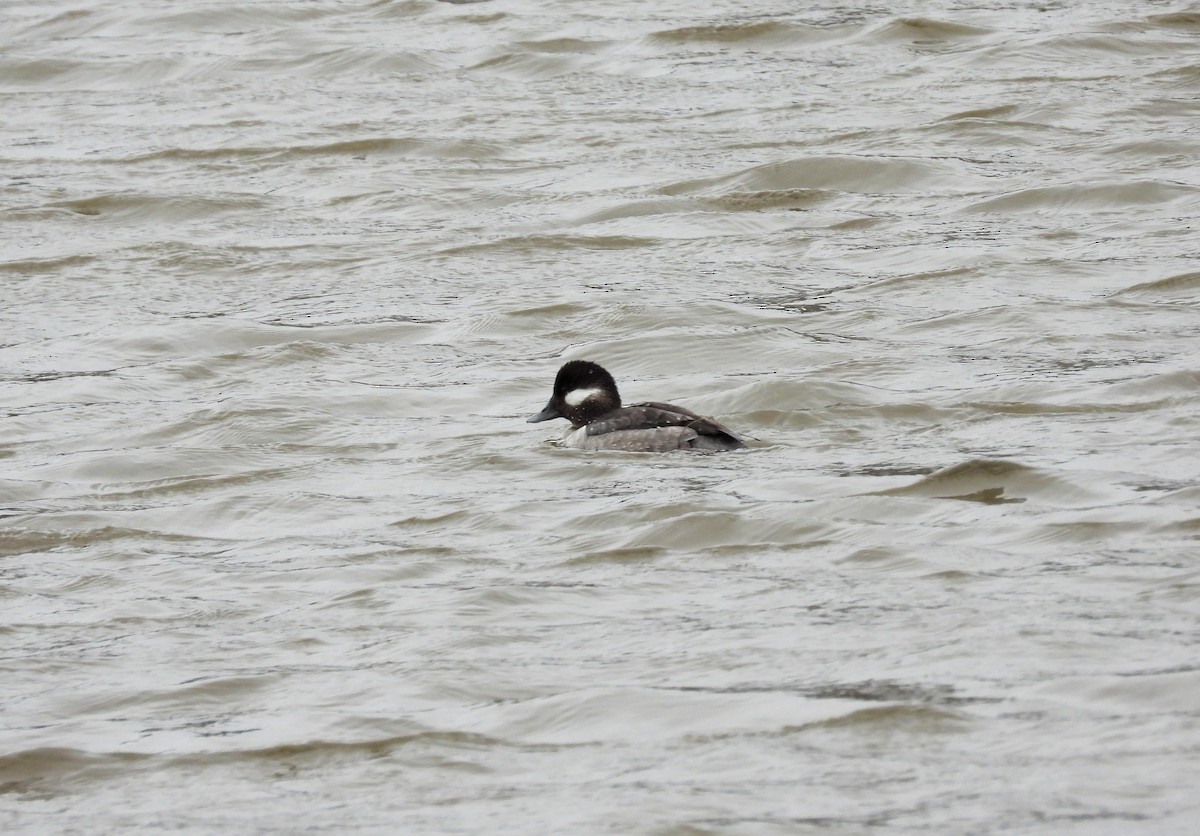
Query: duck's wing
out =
(652, 414)
(641, 416)
(702, 424)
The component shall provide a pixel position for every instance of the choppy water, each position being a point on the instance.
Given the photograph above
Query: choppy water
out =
(281, 281)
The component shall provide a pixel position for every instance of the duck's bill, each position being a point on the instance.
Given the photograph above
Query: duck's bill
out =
(545, 415)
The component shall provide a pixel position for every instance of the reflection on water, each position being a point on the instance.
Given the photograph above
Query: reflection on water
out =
(281, 283)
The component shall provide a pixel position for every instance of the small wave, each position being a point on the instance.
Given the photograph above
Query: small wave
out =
(459, 520)
(727, 350)
(620, 556)
(45, 265)
(997, 112)
(678, 526)
(1091, 54)
(161, 489)
(996, 481)
(888, 690)
(134, 206)
(1182, 21)
(49, 769)
(81, 74)
(1180, 286)
(366, 146)
(758, 33)
(335, 62)
(535, 65)
(565, 45)
(780, 419)
(817, 174)
(1185, 78)
(223, 18)
(1079, 197)
(611, 714)
(473, 149)
(917, 30)
(15, 540)
(1157, 386)
(637, 209)
(770, 199)
(29, 769)
(1132, 694)
(1188, 22)
(533, 243)
(76, 23)
(922, 718)
(25, 71)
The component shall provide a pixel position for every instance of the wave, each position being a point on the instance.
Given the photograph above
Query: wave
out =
(365, 146)
(551, 241)
(1088, 196)
(127, 206)
(997, 481)
(588, 716)
(813, 176)
(50, 265)
(18, 73)
(925, 30)
(18, 539)
(1182, 286)
(535, 65)
(775, 33)
(45, 769)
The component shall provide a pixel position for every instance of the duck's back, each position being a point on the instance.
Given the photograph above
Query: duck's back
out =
(654, 427)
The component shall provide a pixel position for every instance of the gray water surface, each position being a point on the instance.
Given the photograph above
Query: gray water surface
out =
(280, 283)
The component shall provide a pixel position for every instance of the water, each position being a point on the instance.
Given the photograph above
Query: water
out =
(282, 281)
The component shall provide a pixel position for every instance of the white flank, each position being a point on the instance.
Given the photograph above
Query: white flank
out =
(577, 396)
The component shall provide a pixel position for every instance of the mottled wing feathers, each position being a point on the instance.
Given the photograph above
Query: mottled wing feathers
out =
(653, 414)
(638, 417)
(666, 407)
(702, 424)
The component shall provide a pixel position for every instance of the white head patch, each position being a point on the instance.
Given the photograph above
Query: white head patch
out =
(577, 396)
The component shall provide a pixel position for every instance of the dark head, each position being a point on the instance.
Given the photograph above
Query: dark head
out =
(583, 391)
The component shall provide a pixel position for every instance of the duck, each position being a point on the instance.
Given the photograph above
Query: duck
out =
(586, 394)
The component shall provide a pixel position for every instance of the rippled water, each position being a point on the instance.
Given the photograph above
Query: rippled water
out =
(281, 282)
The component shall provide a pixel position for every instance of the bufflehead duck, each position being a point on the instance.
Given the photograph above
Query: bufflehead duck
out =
(586, 395)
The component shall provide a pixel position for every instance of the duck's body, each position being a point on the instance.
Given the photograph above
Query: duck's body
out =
(586, 395)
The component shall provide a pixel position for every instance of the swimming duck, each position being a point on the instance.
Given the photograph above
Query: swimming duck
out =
(586, 395)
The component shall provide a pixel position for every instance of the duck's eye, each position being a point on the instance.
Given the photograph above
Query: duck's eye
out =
(577, 396)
